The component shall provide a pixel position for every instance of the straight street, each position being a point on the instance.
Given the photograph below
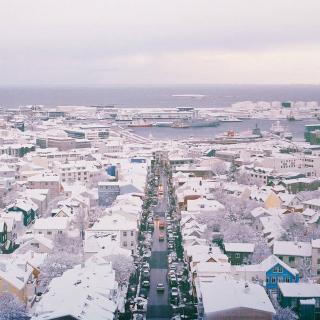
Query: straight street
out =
(158, 303)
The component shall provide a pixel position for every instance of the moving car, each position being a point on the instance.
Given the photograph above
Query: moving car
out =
(161, 237)
(160, 288)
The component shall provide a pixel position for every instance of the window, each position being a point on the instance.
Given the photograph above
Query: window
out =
(124, 233)
(288, 279)
(132, 233)
(273, 280)
(237, 255)
(124, 243)
(280, 279)
(60, 232)
(278, 269)
(132, 244)
(49, 232)
(318, 261)
(280, 257)
(291, 259)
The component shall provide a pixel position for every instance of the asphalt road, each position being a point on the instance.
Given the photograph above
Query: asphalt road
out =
(158, 303)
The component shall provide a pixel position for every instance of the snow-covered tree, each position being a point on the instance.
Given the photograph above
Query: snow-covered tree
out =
(96, 213)
(294, 225)
(236, 208)
(123, 267)
(233, 171)
(236, 232)
(305, 269)
(261, 251)
(67, 253)
(285, 314)
(245, 178)
(282, 313)
(219, 167)
(11, 308)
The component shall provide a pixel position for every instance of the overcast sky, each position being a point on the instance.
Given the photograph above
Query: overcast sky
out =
(80, 42)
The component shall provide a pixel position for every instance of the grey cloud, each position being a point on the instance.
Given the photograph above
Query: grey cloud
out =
(83, 33)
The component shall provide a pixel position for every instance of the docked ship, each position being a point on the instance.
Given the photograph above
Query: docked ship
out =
(163, 124)
(292, 117)
(180, 125)
(277, 129)
(140, 124)
(203, 122)
(234, 137)
(196, 123)
(229, 119)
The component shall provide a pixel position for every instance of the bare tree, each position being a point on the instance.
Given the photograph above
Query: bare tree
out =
(11, 308)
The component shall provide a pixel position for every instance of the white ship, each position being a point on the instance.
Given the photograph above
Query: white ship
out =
(229, 119)
(277, 129)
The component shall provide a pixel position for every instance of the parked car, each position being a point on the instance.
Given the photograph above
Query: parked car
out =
(174, 295)
(145, 284)
(173, 280)
(143, 293)
(132, 291)
(145, 274)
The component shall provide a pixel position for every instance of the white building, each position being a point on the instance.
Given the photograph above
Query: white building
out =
(125, 230)
(51, 227)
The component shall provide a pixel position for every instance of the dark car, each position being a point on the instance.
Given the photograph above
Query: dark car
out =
(160, 288)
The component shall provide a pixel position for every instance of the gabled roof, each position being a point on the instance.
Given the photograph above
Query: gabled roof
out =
(259, 211)
(313, 202)
(292, 248)
(272, 260)
(300, 290)
(24, 204)
(239, 247)
(51, 223)
(233, 294)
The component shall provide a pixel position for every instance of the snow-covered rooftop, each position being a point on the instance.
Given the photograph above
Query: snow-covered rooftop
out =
(232, 295)
(300, 290)
(292, 248)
